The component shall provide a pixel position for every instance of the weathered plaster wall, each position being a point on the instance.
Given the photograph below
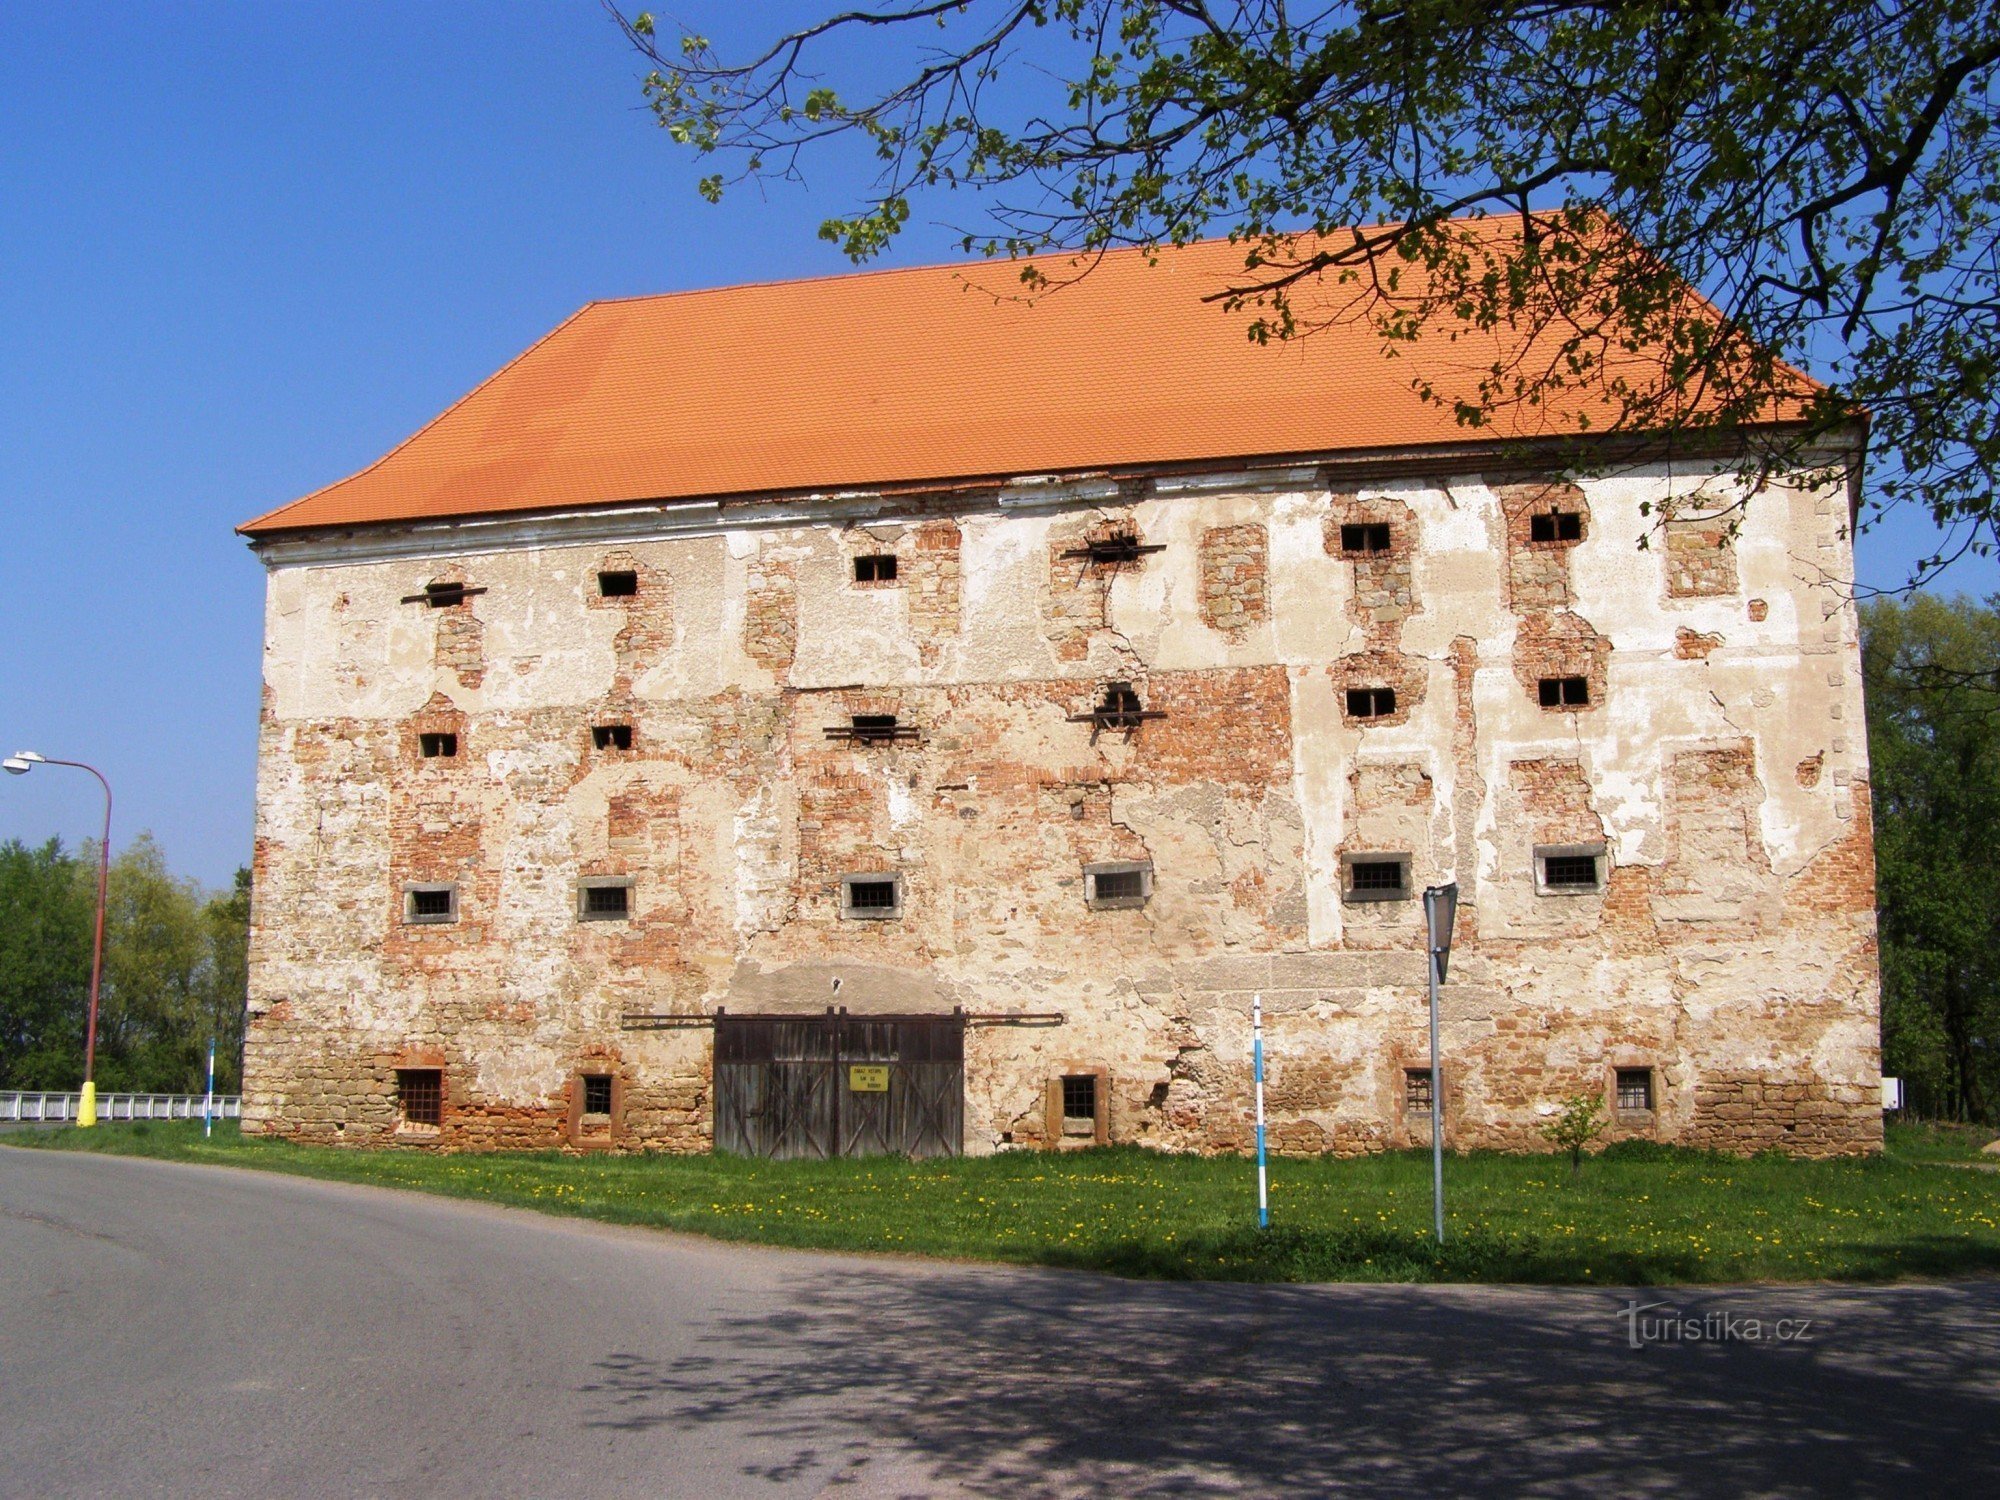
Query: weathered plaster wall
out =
(1720, 760)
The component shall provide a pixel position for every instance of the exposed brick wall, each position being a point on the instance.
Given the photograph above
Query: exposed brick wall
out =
(1235, 578)
(1538, 572)
(771, 616)
(1561, 644)
(1701, 554)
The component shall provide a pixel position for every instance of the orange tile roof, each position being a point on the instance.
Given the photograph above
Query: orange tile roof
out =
(899, 377)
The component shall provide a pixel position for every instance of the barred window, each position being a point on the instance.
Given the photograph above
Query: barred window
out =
(438, 746)
(876, 567)
(597, 1093)
(1417, 1090)
(1370, 702)
(1635, 1088)
(1369, 536)
(1564, 692)
(420, 1095)
(1556, 526)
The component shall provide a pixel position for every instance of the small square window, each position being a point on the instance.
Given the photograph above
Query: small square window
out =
(1635, 1088)
(1371, 702)
(444, 595)
(1111, 887)
(430, 903)
(611, 736)
(618, 583)
(420, 1096)
(1417, 1090)
(875, 567)
(876, 897)
(1079, 1104)
(597, 1093)
(1377, 877)
(441, 746)
(1365, 538)
(1564, 692)
(1556, 526)
(603, 899)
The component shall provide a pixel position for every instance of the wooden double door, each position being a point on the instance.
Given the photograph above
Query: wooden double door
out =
(840, 1085)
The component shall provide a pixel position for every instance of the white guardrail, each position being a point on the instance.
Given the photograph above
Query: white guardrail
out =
(52, 1108)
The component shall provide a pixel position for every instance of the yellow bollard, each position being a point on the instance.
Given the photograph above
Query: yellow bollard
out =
(86, 1107)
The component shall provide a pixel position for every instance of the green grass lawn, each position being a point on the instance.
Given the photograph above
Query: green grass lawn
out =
(1637, 1214)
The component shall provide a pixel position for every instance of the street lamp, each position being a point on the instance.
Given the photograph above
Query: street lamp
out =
(1440, 909)
(20, 763)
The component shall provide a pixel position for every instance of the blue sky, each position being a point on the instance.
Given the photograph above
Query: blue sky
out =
(246, 248)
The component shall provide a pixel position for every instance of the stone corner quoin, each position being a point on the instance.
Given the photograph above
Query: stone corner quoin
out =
(539, 799)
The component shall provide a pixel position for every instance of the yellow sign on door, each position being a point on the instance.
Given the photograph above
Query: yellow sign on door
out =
(867, 1078)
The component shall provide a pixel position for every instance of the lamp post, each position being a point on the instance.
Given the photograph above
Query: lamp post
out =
(1440, 909)
(20, 764)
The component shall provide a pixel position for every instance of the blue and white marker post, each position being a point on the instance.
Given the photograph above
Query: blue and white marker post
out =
(208, 1104)
(1257, 1061)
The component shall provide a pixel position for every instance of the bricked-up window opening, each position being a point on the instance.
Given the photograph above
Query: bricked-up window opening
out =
(1417, 1090)
(1369, 536)
(438, 746)
(605, 900)
(1079, 1100)
(1377, 877)
(1370, 703)
(1122, 548)
(597, 1093)
(876, 896)
(420, 1095)
(1110, 887)
(1570, 872)
(1120, 709)
(876, 567)
(432, 903)
(1556, 526)
(618, 583)
(1565, 692)
(611, 736)
(1635, 1088)
(865, 729)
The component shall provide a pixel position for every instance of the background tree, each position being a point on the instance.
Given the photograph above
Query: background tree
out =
(1803, 181)
(1932, 670)
(46, 906)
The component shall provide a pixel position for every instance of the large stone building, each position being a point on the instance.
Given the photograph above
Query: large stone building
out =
(998, 695)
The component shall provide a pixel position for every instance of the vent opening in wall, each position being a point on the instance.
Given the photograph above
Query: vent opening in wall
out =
(611, 736)
(1564, 692)
(1556, 526)
(1635, 1088)
(597, 1094)
(441, 746)
(443, 595)
(1376, 877)
(871, 896)
(875, 567)
(1111, 887)
(1371, 702)
(1565, 869)
(420, 1096)
(430, 903)
(618, 583)
(604, 899)
(1367, 537)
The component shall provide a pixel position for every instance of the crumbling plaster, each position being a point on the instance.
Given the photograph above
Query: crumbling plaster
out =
(1743, 971)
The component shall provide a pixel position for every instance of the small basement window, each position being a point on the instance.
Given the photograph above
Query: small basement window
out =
(875, 567)
(597, 1093)
(611, 736)
(604, 899)
(1417, 1090)
(430, 903)
(867, 729)
(1556, 526)
(420, 1096)
(1564, 869)
(618, 583)
(867, 897)
(1365, 538)
(1564, 692)
(1114, 887)
(1079, 1104)
(1371, 702)
(1635, 1088)
(1377, 877)
(440, 746)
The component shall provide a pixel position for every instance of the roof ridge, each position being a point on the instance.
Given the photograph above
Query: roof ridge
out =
(326, 489)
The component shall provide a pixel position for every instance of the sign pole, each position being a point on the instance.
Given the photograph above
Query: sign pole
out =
(1257, 1060)
(208, 1104)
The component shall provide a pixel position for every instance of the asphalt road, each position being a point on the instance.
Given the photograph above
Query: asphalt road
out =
(173, 1330)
